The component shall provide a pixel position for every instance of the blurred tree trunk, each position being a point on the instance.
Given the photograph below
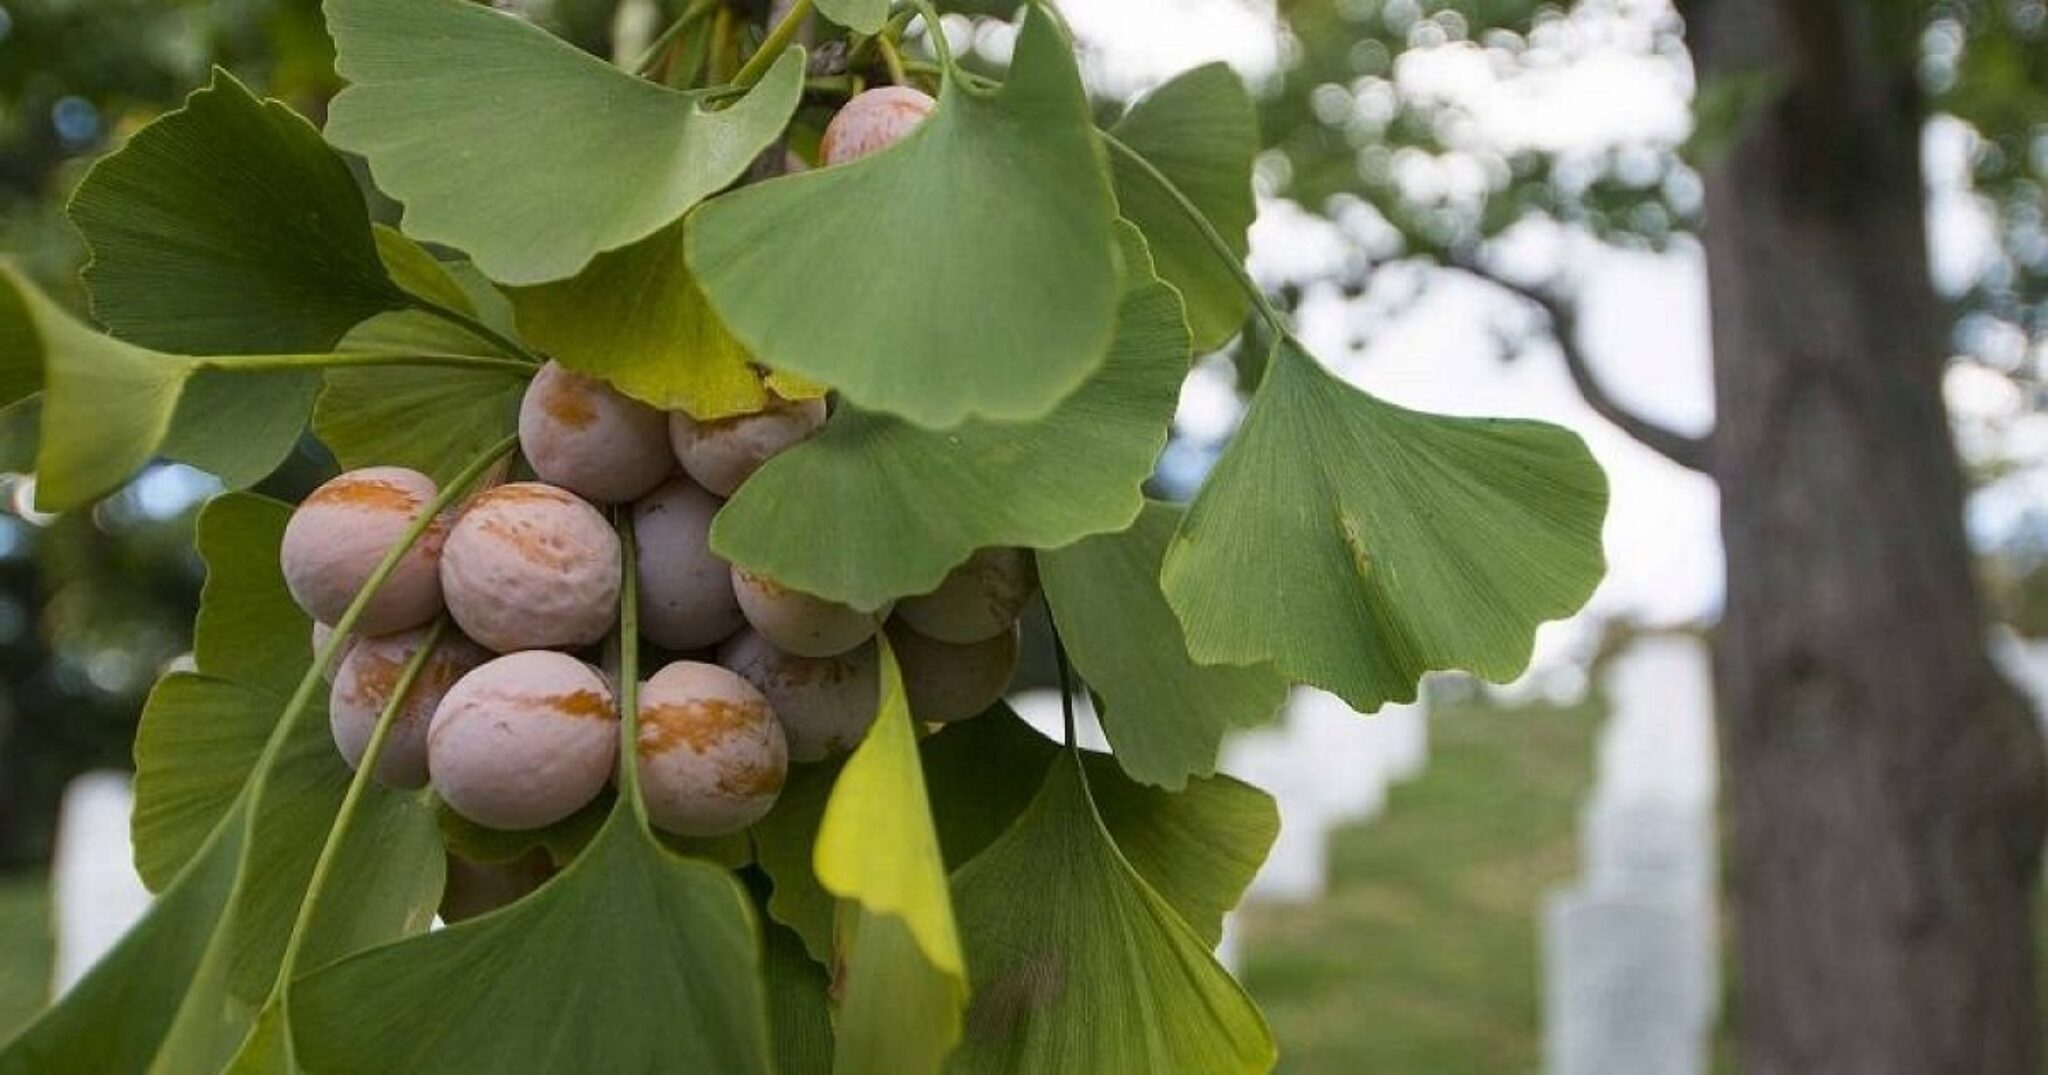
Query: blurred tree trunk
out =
(1886, 785)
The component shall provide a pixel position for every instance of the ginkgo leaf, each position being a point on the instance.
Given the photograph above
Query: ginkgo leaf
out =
(1165, 715)
(636, 318)
(784, 844)
(1356, 545)
(992, 225)
(432, 419)
(1198, 847)
(415, 269)
(903, 983)
(631, 959)
(236, 802)
(1202, 132)
(107, 405)
(860, 16)
(906, 504)
(527, 153)
(799, 1007)
(1079, 965)
(229, 227)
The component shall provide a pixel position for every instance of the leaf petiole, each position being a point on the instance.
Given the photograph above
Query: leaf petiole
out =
(358, 359)
(650, 57)
(629, 668)
(401, 691)
(1267, 311)
(506, 345)
(779, 38)
(325, 659)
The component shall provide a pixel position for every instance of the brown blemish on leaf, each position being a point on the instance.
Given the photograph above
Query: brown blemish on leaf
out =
(1033, 984)
(699, 724)
(1355, 543)
(370, 494)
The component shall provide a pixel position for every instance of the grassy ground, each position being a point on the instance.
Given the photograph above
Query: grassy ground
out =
(1423, 958)
(24, 949)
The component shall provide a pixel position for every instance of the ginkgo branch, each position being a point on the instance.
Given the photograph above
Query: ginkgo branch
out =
(1691, 452)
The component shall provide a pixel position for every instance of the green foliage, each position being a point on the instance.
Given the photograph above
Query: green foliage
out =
(906, 504)
(563, 156)
(229, 227)
(1201, 131)
(1165, 715)
(1079, 964)
(863, 16)
(432, 419)
(106, 405)
(1356, 545)
(181, 992)
(660, 948)
(637, 318)
(904, 982)
(991, 223)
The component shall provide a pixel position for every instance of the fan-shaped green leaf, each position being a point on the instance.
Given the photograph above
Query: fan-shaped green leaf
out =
(903, 982)
(114, 1020)
(860, 16)
(432, 419)
(182, 993)
(1356, 545)
(632, 959)
(636, 318)
(1198, 847)
(1164, 714)
(992, 226)
(522, 150)
(785, 843)
(1079, 965)
(799, 1008)
(107, 405)
(1202, 132)
(905, 504)
(229, 227)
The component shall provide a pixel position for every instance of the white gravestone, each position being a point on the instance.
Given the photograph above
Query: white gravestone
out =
(96, 894)
(1631, 961)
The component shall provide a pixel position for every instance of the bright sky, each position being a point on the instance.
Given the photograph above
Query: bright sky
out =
(1644, 316)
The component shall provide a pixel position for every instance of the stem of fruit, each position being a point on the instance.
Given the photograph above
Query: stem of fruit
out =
(357, 359)
(778, 39)
(303, 695)
(1059, 656)
(629, 667)
(893, 60)
(942, 47)
(343, 819)
(506, 345)
(1222, 250)
(651, 56)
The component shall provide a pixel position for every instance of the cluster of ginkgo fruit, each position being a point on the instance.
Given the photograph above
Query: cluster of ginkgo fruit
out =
(507, 718)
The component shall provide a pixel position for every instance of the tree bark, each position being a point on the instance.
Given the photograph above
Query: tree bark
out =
(1886, 785)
